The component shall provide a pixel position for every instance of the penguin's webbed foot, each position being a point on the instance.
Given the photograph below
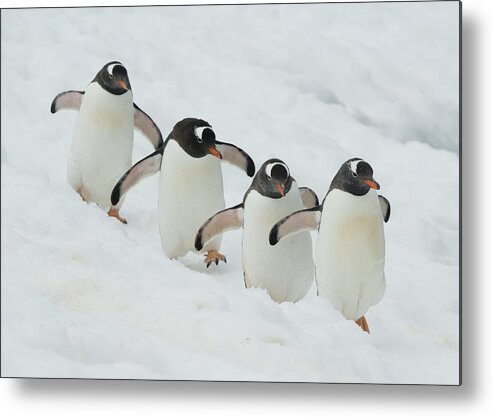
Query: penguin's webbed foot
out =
(213, 256)
(361, 322)
(116, 213)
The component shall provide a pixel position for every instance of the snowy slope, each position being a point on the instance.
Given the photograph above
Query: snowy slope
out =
(85, 296)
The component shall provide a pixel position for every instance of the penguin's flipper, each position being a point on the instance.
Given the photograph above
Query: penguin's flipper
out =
(308, 197)
(385, 206)
(142, 169)
(236, 156)
(299, 221)
(67, 100)
(146, 125)
(228, 219)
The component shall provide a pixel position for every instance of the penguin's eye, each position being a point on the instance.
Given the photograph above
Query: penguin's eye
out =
(354, 174)
(204, 133)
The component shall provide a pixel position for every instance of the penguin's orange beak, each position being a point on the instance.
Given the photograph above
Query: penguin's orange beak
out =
(215, 152)
(122, 84)
(280, 188)
(372, 184)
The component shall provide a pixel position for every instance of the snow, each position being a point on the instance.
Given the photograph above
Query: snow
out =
(85, 296)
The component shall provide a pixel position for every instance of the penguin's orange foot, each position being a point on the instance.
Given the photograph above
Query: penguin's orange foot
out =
(213, 256)
(116, 213)
(361, 322)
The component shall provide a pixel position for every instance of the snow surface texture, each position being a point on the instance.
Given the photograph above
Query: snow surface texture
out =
(86, 296)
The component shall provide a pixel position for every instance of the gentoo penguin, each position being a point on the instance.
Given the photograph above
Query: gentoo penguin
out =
(350, 253)
(103, 135)
(285, 271)
(190, 184)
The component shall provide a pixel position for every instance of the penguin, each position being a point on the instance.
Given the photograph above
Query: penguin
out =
(350, 250)
(101, 149)
(285, 271)
(190, 184)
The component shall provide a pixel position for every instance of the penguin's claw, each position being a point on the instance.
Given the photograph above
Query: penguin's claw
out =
(361, 322)
(116, 214)
(213, 256)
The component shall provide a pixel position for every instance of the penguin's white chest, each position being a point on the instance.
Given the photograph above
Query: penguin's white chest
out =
(190, 191)
(285, 270)
(350, 253)
(102, 145)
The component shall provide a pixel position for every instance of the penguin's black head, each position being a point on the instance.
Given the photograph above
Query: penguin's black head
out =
(355, 176)
(196, 138)
(113, 78)
(273, 179)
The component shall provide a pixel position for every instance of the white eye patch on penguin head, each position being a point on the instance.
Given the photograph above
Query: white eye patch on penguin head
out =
(113, 78)
(196, 138)
(360, 169)
(277, 171)
(353, 166)
(205, 134)
(273, 179)
(363, 169)
(357, 178)
(116, 69)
